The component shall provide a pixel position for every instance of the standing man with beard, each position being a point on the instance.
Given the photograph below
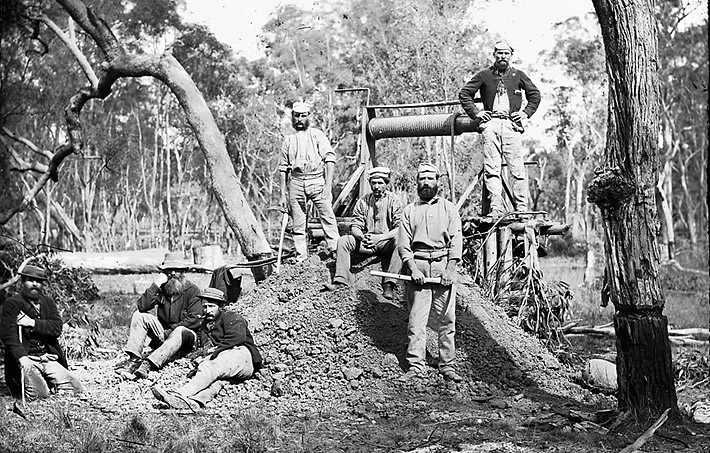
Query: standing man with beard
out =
(500, 124)
(174, 329)
(306, 173)
(431, 245)
(30, 327)
(373, 231)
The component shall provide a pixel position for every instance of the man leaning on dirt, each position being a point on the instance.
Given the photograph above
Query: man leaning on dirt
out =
(30, 327)
(231, 354)
(373, 231)
(431, 245)
(173, 330)
(306, 173)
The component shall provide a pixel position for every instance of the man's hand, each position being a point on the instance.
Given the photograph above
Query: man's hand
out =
(418, 276)
(449, 277)
(518, 116)
(26, 362)
(24, 320)
(371, 240)
(160, 280)
(484, 115)
(328, 192)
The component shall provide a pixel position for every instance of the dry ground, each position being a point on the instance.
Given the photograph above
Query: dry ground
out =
(330, 386)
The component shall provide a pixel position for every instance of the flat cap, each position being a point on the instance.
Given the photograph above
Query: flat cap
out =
(301, 107)
(379, 172)
(502, 45)
(427, 167)
(213, 294)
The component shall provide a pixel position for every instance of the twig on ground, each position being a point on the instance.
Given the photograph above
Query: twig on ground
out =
(458, 420)
(647, 435)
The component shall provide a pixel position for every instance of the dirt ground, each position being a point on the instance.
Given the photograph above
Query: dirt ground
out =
(330, 385)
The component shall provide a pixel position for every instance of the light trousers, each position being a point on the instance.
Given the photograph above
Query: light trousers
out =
(144, 327)
(347, 245)
(501, 141)
(300, 191)
(44, 372)
(211, 373)
(431, 305)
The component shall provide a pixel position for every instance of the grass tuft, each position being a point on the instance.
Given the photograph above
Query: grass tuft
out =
(255, 433)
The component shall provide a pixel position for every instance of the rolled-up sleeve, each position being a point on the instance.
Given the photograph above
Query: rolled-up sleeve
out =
(405, 235)
(324, 148)
(456, 238)
(284, 164)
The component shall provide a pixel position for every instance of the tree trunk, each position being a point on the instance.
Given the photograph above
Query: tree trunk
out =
(624, 191)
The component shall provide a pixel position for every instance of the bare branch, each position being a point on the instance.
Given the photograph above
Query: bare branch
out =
(74, 49)
(26, 142)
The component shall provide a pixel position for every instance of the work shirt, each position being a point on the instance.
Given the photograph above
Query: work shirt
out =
(377, 216)
(428, 226)
(306, 152)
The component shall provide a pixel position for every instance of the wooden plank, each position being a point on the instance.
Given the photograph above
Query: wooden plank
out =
(348, 188)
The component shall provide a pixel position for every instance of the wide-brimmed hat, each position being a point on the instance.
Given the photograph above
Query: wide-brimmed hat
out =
(213, 294)
(33, 272)
(174, 260)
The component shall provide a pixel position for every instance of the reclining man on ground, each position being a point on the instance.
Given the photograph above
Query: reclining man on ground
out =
(373, 231)
(230, 354)
(174, 328)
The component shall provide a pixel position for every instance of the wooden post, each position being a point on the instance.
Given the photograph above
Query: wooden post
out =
(491, 255)
(531, 247)
(505, 254)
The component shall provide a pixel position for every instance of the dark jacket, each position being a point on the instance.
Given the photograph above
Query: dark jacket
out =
(227, 331)
(183, 311)
(224, 280)
(516, 81)
(47, 329)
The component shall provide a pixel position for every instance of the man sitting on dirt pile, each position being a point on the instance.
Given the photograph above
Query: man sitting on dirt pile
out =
(174, 328)
(431, 245)
(231, 354)
(373, 231)
(30, 327)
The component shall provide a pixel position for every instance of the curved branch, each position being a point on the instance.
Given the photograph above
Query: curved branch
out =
(74, 49)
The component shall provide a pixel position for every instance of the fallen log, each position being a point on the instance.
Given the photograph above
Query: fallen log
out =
(689, 336)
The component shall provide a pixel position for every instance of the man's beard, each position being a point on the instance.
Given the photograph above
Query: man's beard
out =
(502, 65)
(33, 294)
(173, 287)
(301, 125)
(426, 193)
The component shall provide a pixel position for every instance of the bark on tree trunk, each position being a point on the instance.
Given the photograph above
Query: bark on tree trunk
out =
(645, 382)
(624, 190)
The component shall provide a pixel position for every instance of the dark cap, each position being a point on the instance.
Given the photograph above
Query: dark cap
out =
(33, 272)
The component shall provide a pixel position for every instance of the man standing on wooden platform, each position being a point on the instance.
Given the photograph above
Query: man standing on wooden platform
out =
(502, 87)
(373, 231)
(431, 245)
(306, 173)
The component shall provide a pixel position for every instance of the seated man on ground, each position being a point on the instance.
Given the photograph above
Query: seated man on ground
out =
(30, 327)
(225, 338)
(373, 231)
(174, 328)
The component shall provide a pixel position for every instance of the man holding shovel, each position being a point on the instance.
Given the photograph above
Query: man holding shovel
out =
(430, 244)
(30, 327)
